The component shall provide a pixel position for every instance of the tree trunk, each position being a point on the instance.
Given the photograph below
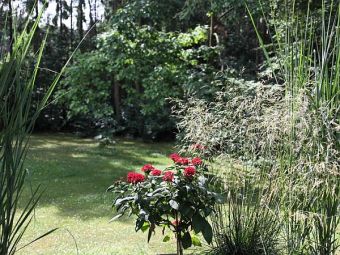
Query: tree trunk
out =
(92, 26)
(71, 14)
(90, 12)
(211, 30)
(115, 92)
(80, 18)
(138, 87)
(10, 25)
(61, 16)
(95, 11)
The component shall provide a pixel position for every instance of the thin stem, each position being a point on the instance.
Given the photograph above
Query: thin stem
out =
(178, 236)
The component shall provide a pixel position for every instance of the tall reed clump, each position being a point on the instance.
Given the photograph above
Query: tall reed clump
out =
(284, 133)
(249, 222)
(17, 119)
(307, 46)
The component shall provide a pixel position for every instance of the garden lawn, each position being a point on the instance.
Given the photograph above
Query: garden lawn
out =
(74, 174)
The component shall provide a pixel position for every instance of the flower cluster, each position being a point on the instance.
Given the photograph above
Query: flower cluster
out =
(178, 159)
(168, 176)
(156, 172)
(196, 161)
(189, 172)
(185, 161)
(147, 168)
(133, 177)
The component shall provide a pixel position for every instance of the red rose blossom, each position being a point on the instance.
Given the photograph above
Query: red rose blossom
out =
(133, 177)
(156, 172)
(196, 161)
(189, 171)
(178, 159)
(147, 168)
(168, 176)
(183, 161)
(174, 156)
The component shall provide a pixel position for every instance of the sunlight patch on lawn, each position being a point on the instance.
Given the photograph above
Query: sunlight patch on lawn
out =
(75, 174)
(78, 155)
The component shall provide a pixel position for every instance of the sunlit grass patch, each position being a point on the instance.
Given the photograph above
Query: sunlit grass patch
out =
(75, 173)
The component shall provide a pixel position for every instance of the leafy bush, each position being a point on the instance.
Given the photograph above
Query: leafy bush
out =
(177, 198)
(132, 73)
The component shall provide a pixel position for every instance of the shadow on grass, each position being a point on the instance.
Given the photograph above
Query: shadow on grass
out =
(75, 172)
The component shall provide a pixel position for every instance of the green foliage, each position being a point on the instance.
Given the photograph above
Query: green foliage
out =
(91, 71)
(160, 13)
(148, 66)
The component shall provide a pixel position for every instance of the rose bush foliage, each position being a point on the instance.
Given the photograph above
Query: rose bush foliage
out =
(177, 198)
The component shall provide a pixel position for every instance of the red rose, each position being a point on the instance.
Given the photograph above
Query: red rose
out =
(133, 177)
(168, 176)
(178, 159)
(147, 168)
(174, 156)
(189, 171)
(183, 161)
(196, 161)
(156, 172)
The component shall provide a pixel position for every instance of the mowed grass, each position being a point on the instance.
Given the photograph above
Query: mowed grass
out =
(74, 174)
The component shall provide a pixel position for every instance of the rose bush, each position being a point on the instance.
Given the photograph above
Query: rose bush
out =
(177, 198)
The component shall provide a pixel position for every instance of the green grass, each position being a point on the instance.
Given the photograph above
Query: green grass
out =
(75, 173)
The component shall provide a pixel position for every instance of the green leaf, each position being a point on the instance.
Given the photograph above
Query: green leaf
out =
(200, 224)
(145, 226)
(139, 224)
(38, 238)
(186, 240)
(187, 211)
(110, 188)
(119, 201)
(197, 222)
(207, 232)
(116, 217)
(173, 204)
(207, 211)
(166, 238)
(196, 241)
